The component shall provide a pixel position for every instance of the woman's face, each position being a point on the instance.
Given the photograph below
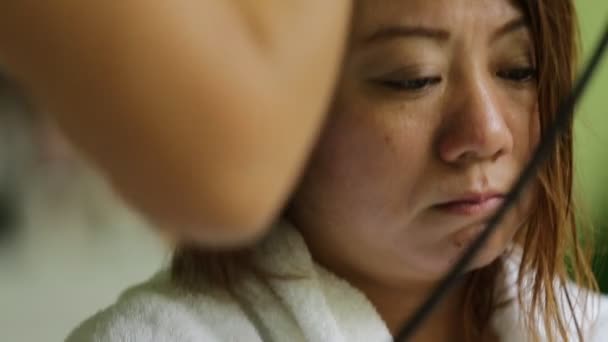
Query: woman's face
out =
(434, 117)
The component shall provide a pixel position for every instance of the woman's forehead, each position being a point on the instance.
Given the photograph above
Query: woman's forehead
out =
(373, 15)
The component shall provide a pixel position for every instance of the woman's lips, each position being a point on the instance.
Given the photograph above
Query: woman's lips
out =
(472, 206)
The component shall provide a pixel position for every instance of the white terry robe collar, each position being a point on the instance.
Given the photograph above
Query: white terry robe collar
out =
(325, 307)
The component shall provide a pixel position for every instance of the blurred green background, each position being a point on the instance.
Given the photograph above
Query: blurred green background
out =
(591, 135)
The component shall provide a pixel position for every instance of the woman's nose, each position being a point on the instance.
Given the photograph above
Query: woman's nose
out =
(475, 125)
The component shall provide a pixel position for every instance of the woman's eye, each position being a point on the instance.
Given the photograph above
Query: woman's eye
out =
(413, 84)
(518, 74)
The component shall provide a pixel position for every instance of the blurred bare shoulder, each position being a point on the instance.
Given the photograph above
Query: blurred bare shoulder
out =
(220, 102)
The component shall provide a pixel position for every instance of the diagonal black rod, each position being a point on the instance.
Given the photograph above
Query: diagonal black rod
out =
(561, 123)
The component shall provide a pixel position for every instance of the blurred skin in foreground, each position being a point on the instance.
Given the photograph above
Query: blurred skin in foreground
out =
(201, 114)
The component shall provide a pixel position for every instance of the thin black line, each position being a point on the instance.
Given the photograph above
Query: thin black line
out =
(562, 121)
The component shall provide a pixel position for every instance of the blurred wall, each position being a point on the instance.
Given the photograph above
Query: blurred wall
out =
(73, 245)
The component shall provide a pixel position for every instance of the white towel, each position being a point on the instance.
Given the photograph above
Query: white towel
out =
(316, 307)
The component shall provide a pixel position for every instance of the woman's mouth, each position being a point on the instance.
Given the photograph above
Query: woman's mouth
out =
(478, 204)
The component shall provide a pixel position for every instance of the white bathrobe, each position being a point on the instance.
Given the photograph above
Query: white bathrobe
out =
(318, 306)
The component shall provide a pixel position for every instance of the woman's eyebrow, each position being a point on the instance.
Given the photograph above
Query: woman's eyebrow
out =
(510, 26)
(406, 31)
(434, 33)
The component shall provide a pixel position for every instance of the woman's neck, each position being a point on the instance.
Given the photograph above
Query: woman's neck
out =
(397, 305)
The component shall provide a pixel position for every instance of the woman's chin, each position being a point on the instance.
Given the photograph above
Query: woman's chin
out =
(483, 260)
(492, 249)
(434, 270)
(486, 256)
